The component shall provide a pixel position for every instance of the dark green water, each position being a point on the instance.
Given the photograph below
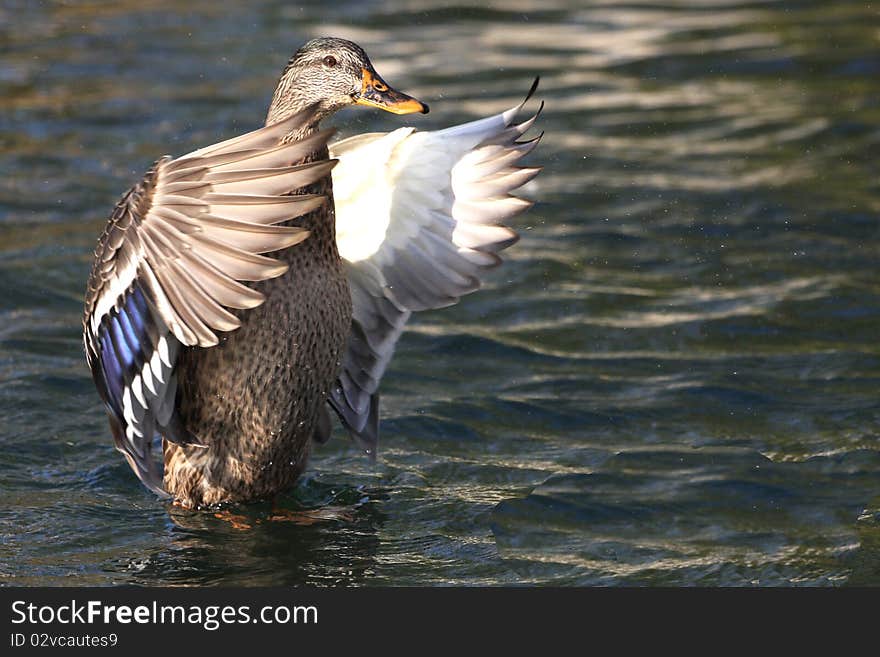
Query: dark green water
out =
(673, 380)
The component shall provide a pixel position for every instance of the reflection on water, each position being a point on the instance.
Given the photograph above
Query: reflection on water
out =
(262, 549)
(673, 380)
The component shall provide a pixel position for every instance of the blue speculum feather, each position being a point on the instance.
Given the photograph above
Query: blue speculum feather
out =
(120, 344)
(132, 340)
(112, 370)
(136, 308)
(126, 338)
(142, 318)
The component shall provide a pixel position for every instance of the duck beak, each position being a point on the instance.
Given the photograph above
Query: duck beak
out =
(375, 93)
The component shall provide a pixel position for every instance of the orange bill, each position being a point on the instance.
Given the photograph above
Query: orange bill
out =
(376, 93)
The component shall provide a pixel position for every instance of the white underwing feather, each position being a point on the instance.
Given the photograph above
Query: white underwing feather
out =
(419, 220)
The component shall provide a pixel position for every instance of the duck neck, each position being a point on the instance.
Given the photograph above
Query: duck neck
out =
(290, 98)
(277, 114)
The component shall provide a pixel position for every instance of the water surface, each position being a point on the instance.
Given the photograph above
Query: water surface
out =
(673, 380)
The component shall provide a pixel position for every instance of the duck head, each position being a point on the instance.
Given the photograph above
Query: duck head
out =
(335, 73)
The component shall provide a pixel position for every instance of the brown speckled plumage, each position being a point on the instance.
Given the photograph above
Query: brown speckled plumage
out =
(256, 396)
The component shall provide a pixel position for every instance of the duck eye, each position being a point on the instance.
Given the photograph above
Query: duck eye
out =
(329, 60)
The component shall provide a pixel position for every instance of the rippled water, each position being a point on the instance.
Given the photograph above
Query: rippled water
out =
(674, 379)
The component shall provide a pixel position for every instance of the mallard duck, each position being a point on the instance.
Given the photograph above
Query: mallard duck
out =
(235, 358)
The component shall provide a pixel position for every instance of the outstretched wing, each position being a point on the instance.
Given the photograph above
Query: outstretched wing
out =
(418, 222)
(170, 263)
